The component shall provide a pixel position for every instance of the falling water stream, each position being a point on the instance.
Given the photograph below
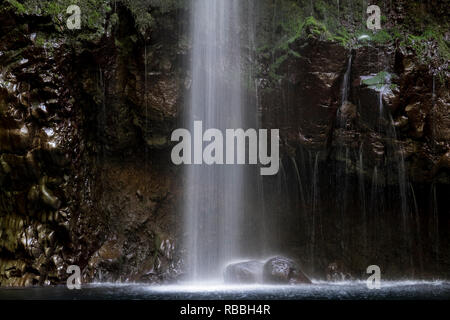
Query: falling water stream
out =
(214, 194)
(396, 152)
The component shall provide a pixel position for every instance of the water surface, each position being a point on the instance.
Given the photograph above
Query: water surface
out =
(404, 290)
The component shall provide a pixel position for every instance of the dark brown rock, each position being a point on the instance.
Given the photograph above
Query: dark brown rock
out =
(281, 270)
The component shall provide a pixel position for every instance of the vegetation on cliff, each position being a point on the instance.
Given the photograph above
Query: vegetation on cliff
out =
(98, 17)
(414, 26)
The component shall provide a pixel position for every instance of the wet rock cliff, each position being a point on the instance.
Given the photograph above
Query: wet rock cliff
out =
(85, 169)
(86, 118)
(365, 137)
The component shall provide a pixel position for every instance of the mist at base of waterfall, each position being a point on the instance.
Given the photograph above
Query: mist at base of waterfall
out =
(355, 290)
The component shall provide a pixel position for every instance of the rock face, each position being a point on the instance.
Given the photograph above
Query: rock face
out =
(314, 84)
(364, 145)
(281, 270)
(244, 272)
(85, 170)
(86, 176)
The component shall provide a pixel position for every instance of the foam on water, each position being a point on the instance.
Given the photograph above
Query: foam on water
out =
(318, 290)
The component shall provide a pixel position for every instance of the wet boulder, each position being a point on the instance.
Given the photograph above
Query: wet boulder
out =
(105, 263)
(336, 273)
(282, 270)
(244, 272)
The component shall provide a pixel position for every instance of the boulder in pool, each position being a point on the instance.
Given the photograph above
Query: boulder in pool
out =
(282, 270)
(247, 272)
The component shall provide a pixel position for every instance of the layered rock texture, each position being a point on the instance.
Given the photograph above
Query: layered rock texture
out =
(85, 171)
(85, 168)
(364, 129)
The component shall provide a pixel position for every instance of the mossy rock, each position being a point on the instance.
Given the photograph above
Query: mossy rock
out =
(381, 78)
(312, 28)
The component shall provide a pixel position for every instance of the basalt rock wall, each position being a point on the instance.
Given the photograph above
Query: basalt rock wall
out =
(359, 158)
(85, 173)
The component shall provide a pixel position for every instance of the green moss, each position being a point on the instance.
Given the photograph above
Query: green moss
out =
(40, 40)
(92, 18)
(17, 6)
(422, 44)
(342, 36)
(380, 78)
(393, 86)
(95, 14)
(311, 28)
(381, 37)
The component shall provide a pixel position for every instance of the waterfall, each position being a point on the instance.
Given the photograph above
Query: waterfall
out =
(434, 223)
(345, 89)
(376, 207)
(419, 243)
(394, 150)
(346, 82)
(213, 205)
(315, 212)
(362, 194)
(299, 182)
(342, 156)
(434, 90)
